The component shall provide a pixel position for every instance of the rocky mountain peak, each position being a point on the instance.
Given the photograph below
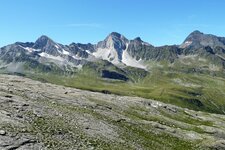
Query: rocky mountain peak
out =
(44, 37)
(195, 36)
(47, 45)
(138, 39)
(196, 32)
(43, 41)
(198, 39)
(112, 47)
(115, 34)
(116, 40)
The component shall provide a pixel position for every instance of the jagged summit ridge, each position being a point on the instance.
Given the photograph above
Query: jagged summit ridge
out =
(116, 49)
(114, 40)
(198, 39)
(43, 41)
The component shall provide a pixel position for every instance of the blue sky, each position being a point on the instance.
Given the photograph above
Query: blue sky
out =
(158, 22)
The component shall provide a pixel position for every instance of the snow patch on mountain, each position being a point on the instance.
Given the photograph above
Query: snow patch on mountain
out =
(186, 44)
(61, 50)
(88, 51)
(65, 52)
(130, 61)
(77, 57)
(56, 46)
(107, 54)
(58, 58)
(29, 49)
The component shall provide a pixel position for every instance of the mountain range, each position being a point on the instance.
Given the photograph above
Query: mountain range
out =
(189, 75)
(133, 95)
(205, 52)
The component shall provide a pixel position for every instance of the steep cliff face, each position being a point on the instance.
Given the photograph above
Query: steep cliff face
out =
(112, 48)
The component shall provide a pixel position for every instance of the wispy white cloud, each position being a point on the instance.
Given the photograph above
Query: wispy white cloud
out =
(80, 25)
(192, 25)
(192, 17)
(91, 25)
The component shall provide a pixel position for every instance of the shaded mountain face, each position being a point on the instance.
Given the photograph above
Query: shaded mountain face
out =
(42, 42)
(198, 39)
(207, 47)
(45, 44)
(14, 53)
(44, 53)
(144, 51)
(118, 50)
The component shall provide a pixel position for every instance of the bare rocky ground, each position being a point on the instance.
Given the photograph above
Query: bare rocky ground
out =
(39, 116)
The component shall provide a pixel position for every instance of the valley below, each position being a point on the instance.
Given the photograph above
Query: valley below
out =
(38, 115)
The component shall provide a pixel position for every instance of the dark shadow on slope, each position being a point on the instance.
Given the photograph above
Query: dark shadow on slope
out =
(113, 75)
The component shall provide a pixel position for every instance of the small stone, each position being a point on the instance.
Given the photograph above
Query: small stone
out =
(19, 116)
(8, 96)
(108, 107)
(174, 131)
(25, 105)
(39, 115)
(24, 130)
(2, 132)
(121, 120)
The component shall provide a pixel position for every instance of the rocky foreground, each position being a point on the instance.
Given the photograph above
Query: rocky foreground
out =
(36, 116)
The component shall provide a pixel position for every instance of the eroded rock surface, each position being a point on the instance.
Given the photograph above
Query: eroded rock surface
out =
(39, 116)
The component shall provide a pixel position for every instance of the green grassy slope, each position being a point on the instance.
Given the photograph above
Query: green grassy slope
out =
(190, 89)
(195, 91)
